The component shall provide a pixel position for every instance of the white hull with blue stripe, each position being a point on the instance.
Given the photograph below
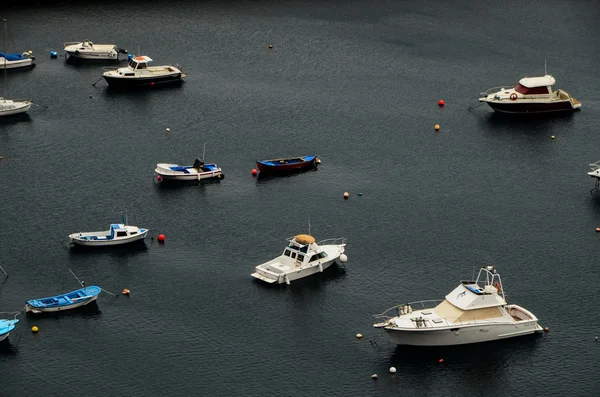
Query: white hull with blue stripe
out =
(70, 300)
(196, 172)
(118, 234)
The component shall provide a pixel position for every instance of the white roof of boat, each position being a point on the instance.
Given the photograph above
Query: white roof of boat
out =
(531, 82)
(142, 58)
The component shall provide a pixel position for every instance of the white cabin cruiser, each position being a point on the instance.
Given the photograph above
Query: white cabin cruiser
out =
(196, 172)
(301, 258)
(138, 74)
(475, 311)
(119, 233)
(87, 50)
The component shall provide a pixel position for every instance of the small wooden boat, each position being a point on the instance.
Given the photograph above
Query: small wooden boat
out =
(290, 164)
(8, 322)
(137, 74)
(87, 50)
(70, 300)
(196, 172)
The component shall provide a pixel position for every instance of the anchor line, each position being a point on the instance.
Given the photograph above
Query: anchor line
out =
(476, 106)
(110, 293)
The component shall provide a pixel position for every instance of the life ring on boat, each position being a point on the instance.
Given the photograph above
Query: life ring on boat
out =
(513, 96)
(497, 286)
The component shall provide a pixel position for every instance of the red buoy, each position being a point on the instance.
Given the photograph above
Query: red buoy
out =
(254, 172)
(441, 360)
(161, 238)
(546, 329)
(598, 230)
(441, 102)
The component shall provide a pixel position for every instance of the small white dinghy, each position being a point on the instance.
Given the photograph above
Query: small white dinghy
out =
(87, 50)
(301, 258)
(117, 234)
(9, 107)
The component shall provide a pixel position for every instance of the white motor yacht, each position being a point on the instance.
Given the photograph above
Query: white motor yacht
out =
(87, 50)
(475, 311)
(301, 258)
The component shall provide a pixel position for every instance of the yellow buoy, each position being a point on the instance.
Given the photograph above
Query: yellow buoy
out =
(358, 336)
(553, 136)
(34, 328)
(437, 127)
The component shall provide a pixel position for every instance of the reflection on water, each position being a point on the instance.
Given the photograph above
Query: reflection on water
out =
(131, 249)
(8, 347)
(268, 176)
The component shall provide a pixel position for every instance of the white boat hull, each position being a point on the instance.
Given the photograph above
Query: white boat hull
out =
(15, 64)
(115, 241)
(93, 55)
(475, 333)
(38, 310)
(19, 107)
(2, 337)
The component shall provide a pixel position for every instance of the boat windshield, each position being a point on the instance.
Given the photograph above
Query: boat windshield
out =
(531, 91)
(135, 65)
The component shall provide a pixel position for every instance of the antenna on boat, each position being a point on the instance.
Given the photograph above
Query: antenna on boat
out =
(80, 282)
(545, 67)
(4, 94)
(203, 151)
(4, 272)
(309, 226)
(124, 218)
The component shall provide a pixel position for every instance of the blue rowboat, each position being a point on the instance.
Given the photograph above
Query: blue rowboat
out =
(8, 322)
(70, 300)
(290, 164)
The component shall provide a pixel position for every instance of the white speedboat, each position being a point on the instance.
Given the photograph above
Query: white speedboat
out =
(118, 234)
(301, 258)
(137, 74)
(475, 311)
(196, 172)
(8, 322)
(531, 95)
(87, 50)
(9, 107)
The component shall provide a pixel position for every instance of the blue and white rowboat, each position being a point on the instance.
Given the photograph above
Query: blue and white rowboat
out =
(8, 322)
(70, 300)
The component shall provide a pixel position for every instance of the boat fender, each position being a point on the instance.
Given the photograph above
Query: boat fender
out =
(513, 96)
(497, 286)
(76, 52)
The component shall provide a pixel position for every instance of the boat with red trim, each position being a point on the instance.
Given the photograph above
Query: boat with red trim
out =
(531, 95)
(137, 74)
(289, 164)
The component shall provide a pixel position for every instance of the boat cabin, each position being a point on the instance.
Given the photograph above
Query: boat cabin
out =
(535, 85)
(303, 249)
(139, 62)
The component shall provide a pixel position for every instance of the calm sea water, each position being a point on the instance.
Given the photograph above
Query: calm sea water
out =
(356, 83)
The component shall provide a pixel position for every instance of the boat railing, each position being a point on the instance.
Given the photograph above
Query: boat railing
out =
(595, 166)
(9, 315)
(333, 241)
(496, 89)
(398, 310)
(68, 43)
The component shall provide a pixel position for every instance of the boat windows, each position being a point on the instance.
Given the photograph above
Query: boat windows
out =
(287, 253)
(304, 249)
(531, 91)
(121, 234)
(315, 257)
(300, 257)
(322, 254)
(132, 233)
(293, 256)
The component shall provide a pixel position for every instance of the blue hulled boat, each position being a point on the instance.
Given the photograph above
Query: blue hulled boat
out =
(70, 300)
(289, 164)
(8, 322)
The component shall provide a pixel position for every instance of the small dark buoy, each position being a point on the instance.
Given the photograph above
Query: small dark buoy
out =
(53, 54)
(546, 329)
(90, 96)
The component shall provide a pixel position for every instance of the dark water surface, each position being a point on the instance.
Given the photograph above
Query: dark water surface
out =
(356, 83)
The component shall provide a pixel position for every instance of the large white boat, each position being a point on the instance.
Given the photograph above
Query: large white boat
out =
(87, 50)
(475, 311)
(301, 258)
(137, 74)
(531, 95)
(117, 234)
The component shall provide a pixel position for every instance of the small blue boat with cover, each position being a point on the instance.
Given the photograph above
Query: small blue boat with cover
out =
(70, 300)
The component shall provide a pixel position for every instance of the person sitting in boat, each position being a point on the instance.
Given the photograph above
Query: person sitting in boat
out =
(199, 165)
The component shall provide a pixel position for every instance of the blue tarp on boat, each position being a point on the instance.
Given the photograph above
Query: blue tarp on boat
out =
(13, 57)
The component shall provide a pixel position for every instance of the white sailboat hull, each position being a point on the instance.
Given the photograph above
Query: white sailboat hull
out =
(9, 108)
(475, 333)
(38, 310)
(23, 63)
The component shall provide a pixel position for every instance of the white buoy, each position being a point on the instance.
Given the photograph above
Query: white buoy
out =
(167, 129)
(392, 370)
(343, 258)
